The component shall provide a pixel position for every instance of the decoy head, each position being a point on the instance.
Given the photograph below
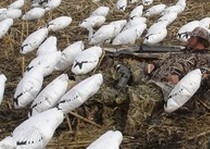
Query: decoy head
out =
(23, 47)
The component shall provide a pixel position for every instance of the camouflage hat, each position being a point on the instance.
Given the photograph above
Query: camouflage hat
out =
(200, 32)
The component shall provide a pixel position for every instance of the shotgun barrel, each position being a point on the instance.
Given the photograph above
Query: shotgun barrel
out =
(160, 49)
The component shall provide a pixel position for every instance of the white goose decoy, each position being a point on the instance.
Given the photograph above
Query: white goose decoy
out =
(168, 18)
(183, 91)
(52, 4)
(107, 32)
(5, 26)
(18, 4)
(93, 21)
(2, 10)
(101, 11)
(69, 54)
(156, 33)
(147, 2)
(121, 5)
(80, 93)
(48, 46)
(28, 88)
(101, 138)
(59, 23)
(3, 79)
(34, 40)
(154, 10)
(86, 61)
(34, 14)
(10, 13)
(109, 140)
(39, 3)
(133, 1)
(48, 62)
(175, 8)
(104, 33)
(130, 35)
(181, 3)
(134, 22)
(50, 95)
(118, 26)
(182, 34)
(35, 132)
(205, 22)
(136, 12)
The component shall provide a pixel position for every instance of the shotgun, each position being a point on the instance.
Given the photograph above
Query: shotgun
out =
(144, 51)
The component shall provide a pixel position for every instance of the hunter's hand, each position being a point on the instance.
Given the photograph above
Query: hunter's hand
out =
(173, 79)
(150, 68)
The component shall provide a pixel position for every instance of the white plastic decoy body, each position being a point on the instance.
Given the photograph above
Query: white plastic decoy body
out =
(34, 14)
(134, 22)
(5, 26)
(182, 34)
(109, 140)
(133, 1)
(181, 3)
(175, 8)
(39, 3)
(48, 62)
(154, 10)
(28, 88)
(93, 21)
(76, 96)
(50, 95)
(121, 5)
(52, 4)
(168, 18)
(136, 12)
(130, 35)
(104, 33)
(69, 54)
(147, 2)
(35, 132)
(86, 61)
(59, 23)
(118, 26)
(156, 33)
(107, 32)
(48, 46)
(3, 79)
(18, 4)
(10, 13)
(205, 22)
(34, 40)
(101, 11)
(183, 91)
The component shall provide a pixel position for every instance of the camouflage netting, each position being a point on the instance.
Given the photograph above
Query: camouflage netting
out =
(136, 110)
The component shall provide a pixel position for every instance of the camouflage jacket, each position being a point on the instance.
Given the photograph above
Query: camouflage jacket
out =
(180, 63)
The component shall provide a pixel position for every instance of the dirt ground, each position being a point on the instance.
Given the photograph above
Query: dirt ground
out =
(135, 110)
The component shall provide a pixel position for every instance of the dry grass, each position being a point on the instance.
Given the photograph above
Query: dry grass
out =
(175, 131)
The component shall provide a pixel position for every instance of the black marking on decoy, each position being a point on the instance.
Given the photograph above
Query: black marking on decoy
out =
(80, 64)
(16, 99)
(23, 47)
(29, 68)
